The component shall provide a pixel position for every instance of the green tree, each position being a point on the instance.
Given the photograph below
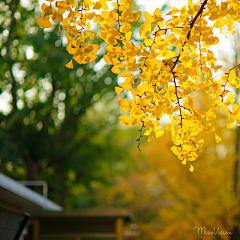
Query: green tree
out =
(52, 118)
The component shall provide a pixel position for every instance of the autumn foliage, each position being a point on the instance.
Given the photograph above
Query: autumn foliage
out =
(162, 74)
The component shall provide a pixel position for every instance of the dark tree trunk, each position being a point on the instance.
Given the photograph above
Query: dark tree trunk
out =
(32, 169)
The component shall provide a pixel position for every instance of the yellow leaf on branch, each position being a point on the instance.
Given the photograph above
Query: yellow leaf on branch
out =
(116, 70)
(166, 72)
(118, 90)
(44, 23)
(159, 133)
(69, 65)
(217, 138)
(150, 139)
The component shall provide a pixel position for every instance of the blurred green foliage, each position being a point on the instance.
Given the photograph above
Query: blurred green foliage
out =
(56, 124)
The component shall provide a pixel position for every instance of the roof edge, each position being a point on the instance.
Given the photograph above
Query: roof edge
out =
(28, 194)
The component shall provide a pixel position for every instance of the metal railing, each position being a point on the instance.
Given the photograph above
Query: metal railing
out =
(11, 224)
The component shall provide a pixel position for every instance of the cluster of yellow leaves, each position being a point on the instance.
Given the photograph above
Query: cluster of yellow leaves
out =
(171, 63)
(75, 18)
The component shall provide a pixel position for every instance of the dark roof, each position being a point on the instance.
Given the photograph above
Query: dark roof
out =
(14, 193)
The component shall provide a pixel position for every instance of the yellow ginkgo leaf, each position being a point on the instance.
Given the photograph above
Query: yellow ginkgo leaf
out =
(169, 54)
(90, 16)
(90, 58)
(97, 6)
(191, 169)
(123, 109)
(97, 19)
(93, 35)
(43, 7)
(126, 86)
(194, 54)
(56, 17)
(123, 119)
(169, 127)
(43, 23)
(159, 133)
(128, 36)
(235, 107)
(126, 74)
(230, 126)
(157, 12)
(200, 143)
(70, 49)
(230, 123)
(74, 4)
(184, 162)
(148, 16)
(69, 65)
(136, 15)
(96, 47)
(122, 102)
(88, 26)
(118, 90)
(217, 138)
(104, 4)
(107, 59)
(150, 139)
(112, 40)
(116, 70)
(88, 49)
(79, 59)
(103, 35)
(48, 12)
(148, 42)
(147, 133)
(143, 33)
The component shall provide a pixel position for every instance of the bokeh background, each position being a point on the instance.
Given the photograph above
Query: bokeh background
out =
(61, 126)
